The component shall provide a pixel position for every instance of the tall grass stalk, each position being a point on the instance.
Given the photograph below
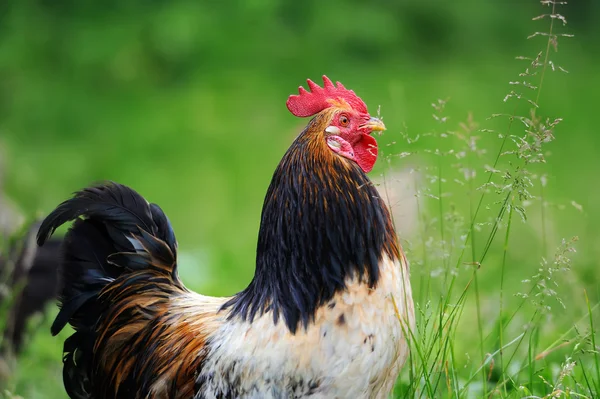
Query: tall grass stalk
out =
(593, 338)
(502, 272)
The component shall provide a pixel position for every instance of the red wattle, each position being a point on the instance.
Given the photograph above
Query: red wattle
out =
(365, 152)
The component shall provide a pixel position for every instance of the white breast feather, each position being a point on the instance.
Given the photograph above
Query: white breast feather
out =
(357, 355)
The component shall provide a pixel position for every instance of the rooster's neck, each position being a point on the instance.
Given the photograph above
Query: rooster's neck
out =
(323, 224)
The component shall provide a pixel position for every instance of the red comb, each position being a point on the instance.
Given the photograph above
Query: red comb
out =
(309, 103)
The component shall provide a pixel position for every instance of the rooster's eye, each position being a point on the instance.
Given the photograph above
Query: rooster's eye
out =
(344, 120)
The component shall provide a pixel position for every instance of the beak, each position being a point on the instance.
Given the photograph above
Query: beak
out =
(374, 125)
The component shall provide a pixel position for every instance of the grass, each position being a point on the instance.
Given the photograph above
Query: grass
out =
(505, 359)
(505, 308)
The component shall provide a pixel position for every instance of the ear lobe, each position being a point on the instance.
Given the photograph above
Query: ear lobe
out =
(333, 130)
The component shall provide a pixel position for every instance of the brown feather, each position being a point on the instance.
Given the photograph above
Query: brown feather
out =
(151, 337)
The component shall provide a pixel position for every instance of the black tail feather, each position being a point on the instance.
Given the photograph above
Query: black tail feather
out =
(116, 232)
(120, 206)
(84, 272)
(120, 232)
(76, 379)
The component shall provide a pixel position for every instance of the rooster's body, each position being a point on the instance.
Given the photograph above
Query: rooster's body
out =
(326, 315)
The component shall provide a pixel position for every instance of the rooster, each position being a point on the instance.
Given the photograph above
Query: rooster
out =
(327, 314)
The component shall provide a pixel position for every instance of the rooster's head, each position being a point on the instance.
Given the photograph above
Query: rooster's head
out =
(346, 125)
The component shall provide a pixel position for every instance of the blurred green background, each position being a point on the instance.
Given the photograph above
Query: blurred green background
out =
(185, 102)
